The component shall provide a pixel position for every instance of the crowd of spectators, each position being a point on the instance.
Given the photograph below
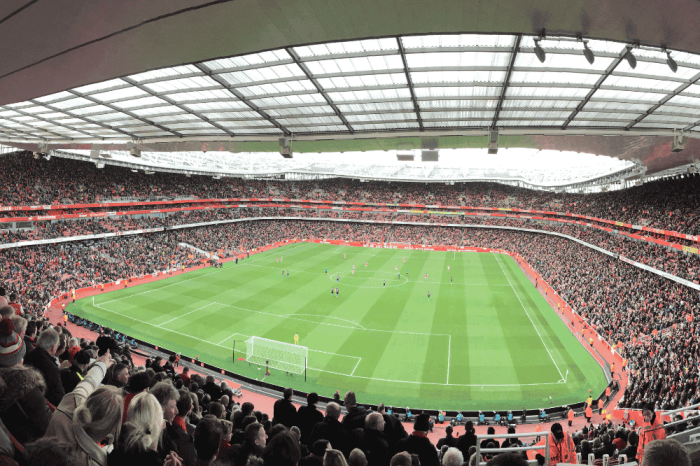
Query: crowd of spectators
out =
(72, 401)
(663, 204)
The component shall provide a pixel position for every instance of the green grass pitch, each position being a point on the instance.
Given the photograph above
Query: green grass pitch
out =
(486, 340)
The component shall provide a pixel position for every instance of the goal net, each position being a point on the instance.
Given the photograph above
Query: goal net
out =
(281, 356)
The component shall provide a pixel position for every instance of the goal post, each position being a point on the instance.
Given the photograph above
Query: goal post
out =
(281, 356)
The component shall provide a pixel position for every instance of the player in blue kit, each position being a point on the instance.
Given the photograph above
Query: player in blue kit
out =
(326, 271)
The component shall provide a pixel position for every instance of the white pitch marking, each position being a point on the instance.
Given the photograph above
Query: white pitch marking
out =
(358, 363)
(531, 321)
(183, 315)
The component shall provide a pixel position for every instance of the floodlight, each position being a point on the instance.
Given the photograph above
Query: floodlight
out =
(493, 142)
(286, 148)
(588, 53)
(541, 56)
(100, 165)
(671, 62)
(135, 152)
(631, 59)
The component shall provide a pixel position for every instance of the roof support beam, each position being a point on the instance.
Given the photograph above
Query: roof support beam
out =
(598, 83)
(506, 81)
(677, 91)
(126, 112)
(38, 117)
(175, 104)
(242, 98)
(318, 87)
(416, 107)
(82, 117)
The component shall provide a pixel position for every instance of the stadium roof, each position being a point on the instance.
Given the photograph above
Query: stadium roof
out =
(442, 88)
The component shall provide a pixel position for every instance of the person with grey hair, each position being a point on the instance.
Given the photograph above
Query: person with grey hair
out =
(357, 458)
(374, 443)
(332, 430)
(452, 457)
(355, 418)
(42, 358)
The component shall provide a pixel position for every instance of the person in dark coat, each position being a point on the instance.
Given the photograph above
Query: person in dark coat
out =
(315, 458)
(308, 416)
(467, 440)
(631, 449)
(253, 444)
(419, 444)
(374, 443)
(212, 388)
(355, 418)
(177, 429)
(71, 376)
(393, 428)
(284, 411)
(42, 358)
(448, 439)
(22, 406)
(332, 430)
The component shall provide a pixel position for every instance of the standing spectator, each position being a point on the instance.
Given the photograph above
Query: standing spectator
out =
(355, 418)
(282, 450)
(167, 396)
(308, 416)
(42, 358)
(212, 388)
(374, 443)
(467, 440)
(332, 430)
(393, 428)
(419, 444)
(448, 439)
(284, 411)
(315, 456)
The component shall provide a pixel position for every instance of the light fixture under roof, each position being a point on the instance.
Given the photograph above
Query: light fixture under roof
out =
(541, 56)
(631, 59)
(588, 53)
(671, 62)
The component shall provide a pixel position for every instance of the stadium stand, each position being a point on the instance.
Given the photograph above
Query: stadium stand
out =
(652, 316)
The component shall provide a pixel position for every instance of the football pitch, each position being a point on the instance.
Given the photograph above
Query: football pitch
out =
(485, 339)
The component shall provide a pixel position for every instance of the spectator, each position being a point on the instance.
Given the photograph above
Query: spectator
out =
(467, 440)
(168, 397)
(357, 458)
(253, 444)
(207, 440)
(334, 458)
(419, 443)
(138, 442)
(355, 418)
(138, 383)
(88, 415)
(284, 411)
(308, 416)
(212, 388)
(42, 358)
(23, 409)
(631, 449)
(71, 376)
(452, 457)
(282, 450)
(652, 429)
(490, 431)
(315, 457)
(448, 439)
(332, 430)
(666, 452)
(374, 443)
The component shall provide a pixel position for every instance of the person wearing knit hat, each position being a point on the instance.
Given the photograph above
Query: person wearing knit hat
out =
(12, 348)
(23, 408)
(419, 444)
